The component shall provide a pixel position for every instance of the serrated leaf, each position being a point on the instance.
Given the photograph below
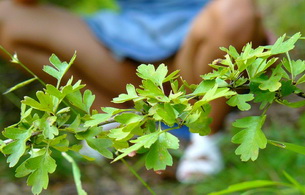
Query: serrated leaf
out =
(75, 98)
(272, 84)
(45, 102)
(199, 121)
(212, 94)
(97, 119)
(281, 46)
(263, 96)
(251, 138)
(148, 72)
(143, 141)
(59, 68)
(46, 124)
(118, 134)
(204, 87)
(240, 100)
(88, 99)
(151, 90)
(158, 156)
(131, 94)
(20, 85)
(167, 113)
(99, 144)
(17, 148)
(40, 167)
(287, 88)
(294, 67)
(172, 76)
(127, 118)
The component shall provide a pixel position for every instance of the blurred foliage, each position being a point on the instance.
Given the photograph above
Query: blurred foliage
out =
(282, 16)
(84, 6)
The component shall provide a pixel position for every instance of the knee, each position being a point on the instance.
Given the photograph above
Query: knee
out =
(227, 21)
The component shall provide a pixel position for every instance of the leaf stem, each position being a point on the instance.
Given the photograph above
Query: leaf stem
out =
(290, 65)
(16, 60)
(138, 177)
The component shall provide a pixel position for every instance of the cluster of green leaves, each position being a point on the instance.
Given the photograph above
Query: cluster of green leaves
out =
(64, 111)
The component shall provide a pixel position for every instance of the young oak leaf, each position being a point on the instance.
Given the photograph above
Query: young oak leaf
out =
(240, 100)
(16, 148)
(251, 138)
(158, 156)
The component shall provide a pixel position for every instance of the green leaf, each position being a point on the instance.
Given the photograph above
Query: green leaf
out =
(40, 167)
(83, 103)
(128, 118)
(118, 134)
(281, 46)
(288, 146)
(88, 99)
(45, 102)
(264, 96)
(152, 91)
(172, 76)
(199, 121)
(143, 141)
(17, 148)
(158, 156)
(204, 87)
(212, 94)
(246, 186)
(19, 85)
(76, 174)
(294, 67)
(251, 138)
(99, 144)
(272, 84)
(240, 100)
(148, 72)
(59, 68)
(46, 124)
(167, 113)
(292, 104)
(131, 94)
(96, 119)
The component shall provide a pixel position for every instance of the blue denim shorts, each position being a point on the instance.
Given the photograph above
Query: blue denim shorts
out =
(145, 30)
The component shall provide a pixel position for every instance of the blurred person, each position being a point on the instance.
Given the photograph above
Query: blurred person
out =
(183, 34)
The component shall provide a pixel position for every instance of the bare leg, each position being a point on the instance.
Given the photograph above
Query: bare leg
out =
(35, 32)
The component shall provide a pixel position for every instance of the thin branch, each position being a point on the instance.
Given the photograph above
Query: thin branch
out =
(301, 94)
(8, 141)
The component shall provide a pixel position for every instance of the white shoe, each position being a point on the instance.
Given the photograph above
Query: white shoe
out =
(201, 158)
